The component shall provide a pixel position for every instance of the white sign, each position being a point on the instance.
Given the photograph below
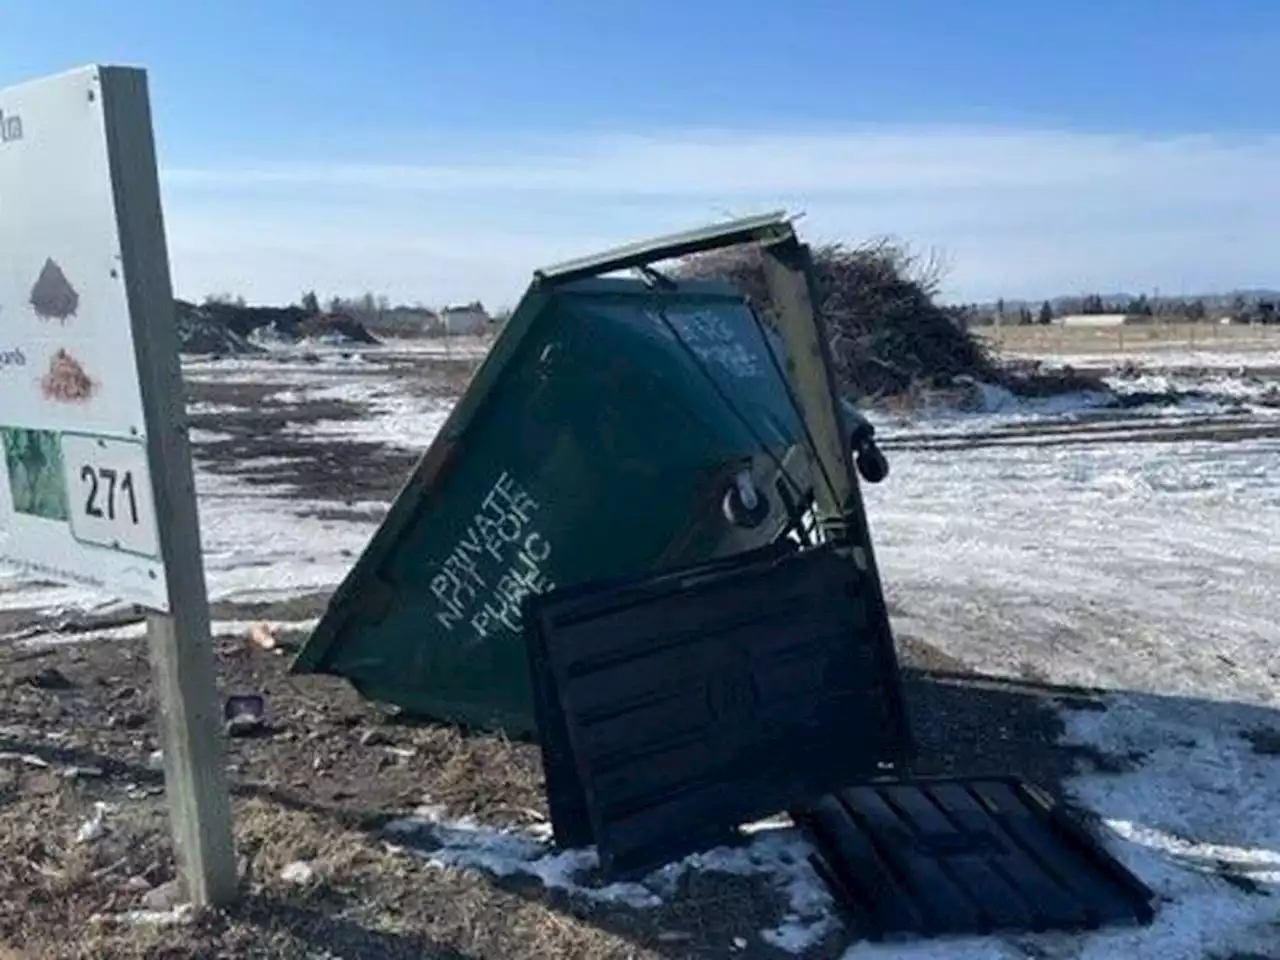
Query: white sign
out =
(76, 496)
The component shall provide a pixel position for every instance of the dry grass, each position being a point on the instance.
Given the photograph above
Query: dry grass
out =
(319, 789)
(1139, 338)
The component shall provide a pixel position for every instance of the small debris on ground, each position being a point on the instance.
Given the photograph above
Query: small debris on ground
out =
(50, 678)
(159, 918)
(245, 715)
(82, 773)
(262, 636)
(299, 872)
(30, 759)
(95, 828)
(163, 898)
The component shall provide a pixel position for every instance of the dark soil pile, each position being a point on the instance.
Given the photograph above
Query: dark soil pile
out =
(200, 334)
(52, 296)
(243, 321)
(223, 329)
(335, 326)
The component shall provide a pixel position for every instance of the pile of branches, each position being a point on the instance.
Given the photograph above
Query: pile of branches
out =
(888, 335)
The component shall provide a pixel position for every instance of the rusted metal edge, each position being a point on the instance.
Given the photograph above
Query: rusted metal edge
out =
(763, 227)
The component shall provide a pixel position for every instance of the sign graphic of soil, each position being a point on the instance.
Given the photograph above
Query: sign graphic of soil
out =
(53, 297)
(66, 380)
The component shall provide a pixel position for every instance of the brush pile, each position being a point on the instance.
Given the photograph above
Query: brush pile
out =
(888, 335)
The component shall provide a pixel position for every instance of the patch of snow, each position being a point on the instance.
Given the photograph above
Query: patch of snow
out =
(1245, 390)
(209, 436)
(136, 631)
(183, 913)
(18, 592)
(391, 419)
(213, 410)
(462, 348)
(462, 844)
(1178, 357)
(780, 856)
(1196, 820)
(1144, 566)
(256, 542)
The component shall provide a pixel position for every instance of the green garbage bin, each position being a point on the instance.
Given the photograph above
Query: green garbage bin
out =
(616, 427)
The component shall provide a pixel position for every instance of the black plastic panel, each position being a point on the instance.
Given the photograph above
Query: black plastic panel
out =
(966, 856)
(697, 700)
(565, 798)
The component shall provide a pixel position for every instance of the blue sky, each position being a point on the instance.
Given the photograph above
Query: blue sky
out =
(441, 150)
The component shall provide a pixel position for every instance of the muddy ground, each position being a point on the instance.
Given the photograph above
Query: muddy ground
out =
(320, 782)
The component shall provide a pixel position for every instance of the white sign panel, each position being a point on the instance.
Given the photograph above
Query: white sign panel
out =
(76, 496)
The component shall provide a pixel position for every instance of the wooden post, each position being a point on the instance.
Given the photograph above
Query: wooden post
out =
(181, 649)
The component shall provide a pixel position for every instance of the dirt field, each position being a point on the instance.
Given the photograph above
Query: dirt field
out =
(1040, 340)
(331, 867)
(321, 783)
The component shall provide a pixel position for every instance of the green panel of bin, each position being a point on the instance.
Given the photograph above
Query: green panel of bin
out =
(616, 427)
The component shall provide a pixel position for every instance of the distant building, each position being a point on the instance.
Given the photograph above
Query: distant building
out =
(467, 319)
(402, 321)
(1097, 320)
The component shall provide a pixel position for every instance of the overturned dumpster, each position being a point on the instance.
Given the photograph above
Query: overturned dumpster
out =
(610, 544)
(617, 426)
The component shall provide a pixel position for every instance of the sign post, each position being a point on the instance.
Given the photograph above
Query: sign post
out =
(97, 486)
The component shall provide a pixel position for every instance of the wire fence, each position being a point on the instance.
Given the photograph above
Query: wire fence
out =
(1122, 338)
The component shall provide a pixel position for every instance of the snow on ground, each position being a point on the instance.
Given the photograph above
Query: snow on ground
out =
(775, 854)
(259, 545)
(1128, 557)
(389, 417)
(262, 543)
(1179, 358)
(18, 592)
(1248, 389)
(137, 630)
(1144, 565)
(1144, 568)
(1140, 565)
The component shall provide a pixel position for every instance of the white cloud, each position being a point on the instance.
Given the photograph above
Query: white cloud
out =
(1016, 212)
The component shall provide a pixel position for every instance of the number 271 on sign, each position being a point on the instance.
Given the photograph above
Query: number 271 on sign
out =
(109, 489)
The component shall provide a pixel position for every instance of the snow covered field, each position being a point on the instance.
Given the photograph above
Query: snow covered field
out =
(1059, 543)
(1121, 557)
